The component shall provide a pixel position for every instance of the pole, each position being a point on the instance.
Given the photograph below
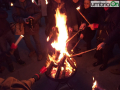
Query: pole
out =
(75, 45)
(74, 35)
(83, 52)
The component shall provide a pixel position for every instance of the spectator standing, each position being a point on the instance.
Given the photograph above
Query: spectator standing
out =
(6, 36)
(24, 10)
(87, 34)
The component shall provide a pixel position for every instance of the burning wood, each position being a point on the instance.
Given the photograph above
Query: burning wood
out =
(50, 68)
(71, 62)
(62, 74)
(58, 73)
(57, 53)
(64, 68)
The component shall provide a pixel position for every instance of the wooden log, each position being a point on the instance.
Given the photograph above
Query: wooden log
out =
(60, 64)
(58, 73)
(50, 68)
(71, 63)
(63, 73)
(57, 53)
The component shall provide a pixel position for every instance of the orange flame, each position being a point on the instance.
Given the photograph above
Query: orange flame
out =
(60, 43)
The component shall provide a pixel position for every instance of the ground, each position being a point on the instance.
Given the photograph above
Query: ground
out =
(85, 71)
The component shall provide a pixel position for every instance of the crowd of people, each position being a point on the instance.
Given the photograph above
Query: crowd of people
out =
(105, 21)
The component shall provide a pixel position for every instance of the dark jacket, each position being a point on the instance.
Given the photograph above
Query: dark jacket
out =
(114, 35)
(12, 83)
(87, 32)
(4, 24)
(71, 12)
(107, 21)
(19, 13)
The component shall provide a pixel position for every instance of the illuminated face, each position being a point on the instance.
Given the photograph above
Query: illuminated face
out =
(86, 4)
(58, 1)
(75, 1)
(21, 0)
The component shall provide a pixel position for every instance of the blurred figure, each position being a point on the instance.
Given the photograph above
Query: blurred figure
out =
(6, 2)
(12, 83)
(6, 36)
(87, 34)
(72, 22)
(113, 37)
(43, 8)
(26, 12)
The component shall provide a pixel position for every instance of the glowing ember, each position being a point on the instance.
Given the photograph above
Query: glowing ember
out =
(46, 2)
(62, 68)
(53, 72)
(78, 8)
(11, 4)
(69, 68)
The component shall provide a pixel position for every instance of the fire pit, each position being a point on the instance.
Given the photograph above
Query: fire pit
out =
(60, 67)
(61, 70)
